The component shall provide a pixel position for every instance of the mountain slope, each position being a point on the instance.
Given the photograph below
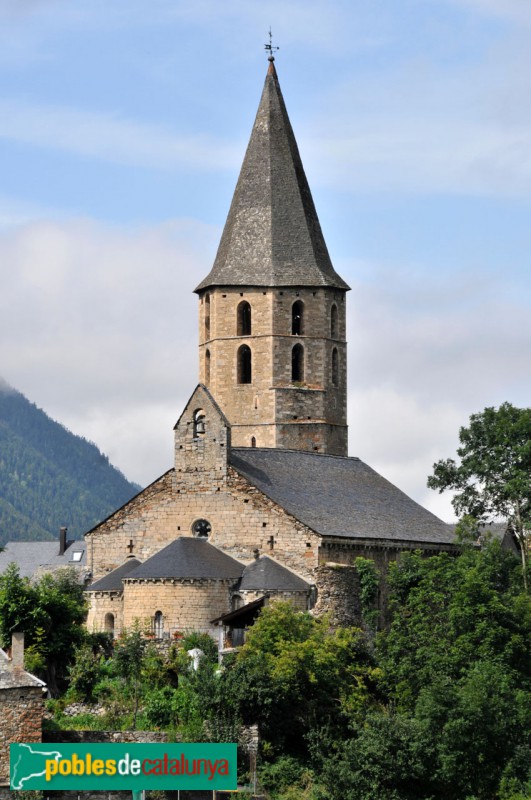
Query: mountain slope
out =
(49, 477)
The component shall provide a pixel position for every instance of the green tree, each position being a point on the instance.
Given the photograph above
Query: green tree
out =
(493, 478)
(50, 613)
(129, 655)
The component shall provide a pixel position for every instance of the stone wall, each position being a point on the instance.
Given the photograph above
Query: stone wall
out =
(186, 605)
(101, 604)
(338, 594)
(254, 409)
(20, 721)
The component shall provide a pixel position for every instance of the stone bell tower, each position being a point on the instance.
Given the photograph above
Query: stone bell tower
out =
(272, 341)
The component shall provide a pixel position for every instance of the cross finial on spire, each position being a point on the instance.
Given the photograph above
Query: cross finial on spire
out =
(269, 47)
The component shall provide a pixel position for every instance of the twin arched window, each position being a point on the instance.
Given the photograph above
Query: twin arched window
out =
(243, 319)
(244, 370)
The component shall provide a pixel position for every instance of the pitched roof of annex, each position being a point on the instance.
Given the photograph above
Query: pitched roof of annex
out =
(339, 497)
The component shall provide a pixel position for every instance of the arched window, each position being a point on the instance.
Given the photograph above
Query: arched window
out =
(244, 364)
(199, 423)
(236, 602)
(158, 624)
(297, 318)
(297, 364)
(335, 367)
(333, 321)
(109, 624)
(207, 316)
(253, 441)
(243, 319)
(207, 368)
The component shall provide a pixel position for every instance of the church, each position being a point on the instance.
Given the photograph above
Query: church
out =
(263, 501)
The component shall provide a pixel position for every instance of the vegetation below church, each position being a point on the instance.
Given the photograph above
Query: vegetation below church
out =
(49, 477)
(436, 708)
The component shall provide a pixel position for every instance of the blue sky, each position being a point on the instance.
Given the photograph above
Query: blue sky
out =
(122, 129)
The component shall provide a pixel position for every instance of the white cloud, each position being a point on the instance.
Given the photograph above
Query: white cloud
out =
(111, 138)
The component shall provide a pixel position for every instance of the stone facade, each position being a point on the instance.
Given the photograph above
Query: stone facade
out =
(273, 409)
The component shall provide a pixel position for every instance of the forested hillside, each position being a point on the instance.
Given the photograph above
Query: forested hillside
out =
(49, 477)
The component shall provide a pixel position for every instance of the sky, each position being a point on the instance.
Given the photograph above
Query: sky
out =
(122, 130)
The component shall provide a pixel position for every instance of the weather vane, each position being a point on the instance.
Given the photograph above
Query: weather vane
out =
(269, 47)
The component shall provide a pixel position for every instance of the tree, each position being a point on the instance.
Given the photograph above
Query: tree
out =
(494, 476)
(51, 613)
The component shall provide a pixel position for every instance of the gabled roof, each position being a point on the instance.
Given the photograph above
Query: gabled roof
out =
(112, 582)
(188, 557)
(242, 617)
(264, 574)
(29, 556)
(340, 497)
(11, 678)
(272, 236)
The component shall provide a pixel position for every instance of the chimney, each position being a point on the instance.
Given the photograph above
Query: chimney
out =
(62, 541)
(17, 650)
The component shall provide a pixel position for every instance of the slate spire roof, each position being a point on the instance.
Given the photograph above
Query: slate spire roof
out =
(272, 236)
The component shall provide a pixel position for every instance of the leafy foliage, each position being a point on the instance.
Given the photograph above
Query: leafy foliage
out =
(493, 478)
(50, 613)
(49, 477)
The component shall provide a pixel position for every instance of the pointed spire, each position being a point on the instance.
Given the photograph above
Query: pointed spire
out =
(272, 236)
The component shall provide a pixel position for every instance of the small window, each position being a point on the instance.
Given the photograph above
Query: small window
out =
(297, 364)
(335, 367)
(333, 321)
(201, 528)
(77, 555)
(207, 316)
(199, 423)
(243, 322)
(207, 368)
(158, 624)
(253, 441)
(297, 318)
(244, 364)
(109, 624)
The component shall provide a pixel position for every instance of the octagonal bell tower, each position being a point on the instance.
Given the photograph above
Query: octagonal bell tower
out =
(272, 338)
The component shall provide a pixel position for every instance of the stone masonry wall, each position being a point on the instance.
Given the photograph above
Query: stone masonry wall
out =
(101, 604)
(20, 721)
(338, 594)
(255, 409)
(185, 605)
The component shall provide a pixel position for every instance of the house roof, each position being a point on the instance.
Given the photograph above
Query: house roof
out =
(241, 616)
(112, 582)
(340, 497)
(272, 236)
(266, 574)
(29, 556)
(15, 678)
(188, 557)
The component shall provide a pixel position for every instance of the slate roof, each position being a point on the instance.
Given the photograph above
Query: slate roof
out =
(244, 615)
(265, 574)
(29, 556)
(15, 678)
(340, 497)
(272, 236)
(112, 582)
(188, 557)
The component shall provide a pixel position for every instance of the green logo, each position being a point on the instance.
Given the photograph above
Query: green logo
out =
(108, 767)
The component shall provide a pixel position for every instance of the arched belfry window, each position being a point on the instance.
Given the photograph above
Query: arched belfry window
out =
(158, 624)
(335, 367)
(199, 423)
(297, 364)
(297, 318)
(207, 368)
(207, 316)
(333, 322)
(243, 322)
(244, 364)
